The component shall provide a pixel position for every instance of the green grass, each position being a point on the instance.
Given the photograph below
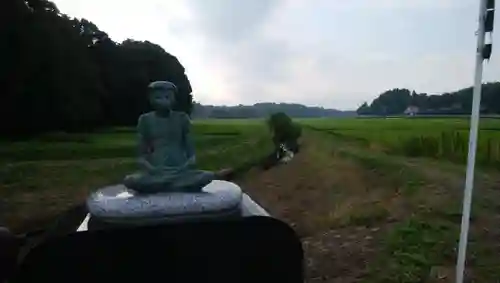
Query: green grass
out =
(412, 249)
(435, 138)
(112, 144)
(403, 176)
(407, 156)
(60, 169)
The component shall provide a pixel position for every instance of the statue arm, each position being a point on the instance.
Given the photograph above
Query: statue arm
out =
(188, 140)
(144, 146)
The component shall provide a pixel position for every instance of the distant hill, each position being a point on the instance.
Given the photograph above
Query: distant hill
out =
(260, 110)
(397, 101)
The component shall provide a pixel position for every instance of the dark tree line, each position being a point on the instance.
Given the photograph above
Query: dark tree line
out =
(261, 110)
(396, 101)
(65, 74)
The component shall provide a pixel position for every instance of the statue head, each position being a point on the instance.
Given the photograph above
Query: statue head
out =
(162, 95)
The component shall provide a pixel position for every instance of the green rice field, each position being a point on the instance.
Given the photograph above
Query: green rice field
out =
(437, 138)
(373, 200)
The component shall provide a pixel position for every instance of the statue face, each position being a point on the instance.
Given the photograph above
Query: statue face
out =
(162, 99)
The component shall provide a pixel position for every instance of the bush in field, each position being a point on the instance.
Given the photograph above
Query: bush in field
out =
(284, 130)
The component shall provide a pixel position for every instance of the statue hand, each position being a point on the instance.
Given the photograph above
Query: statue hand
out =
(146, 166)
(190, 162)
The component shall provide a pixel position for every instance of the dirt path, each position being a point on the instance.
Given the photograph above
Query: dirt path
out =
(310, 193)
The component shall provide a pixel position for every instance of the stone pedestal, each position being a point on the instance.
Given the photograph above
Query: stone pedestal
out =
(117, 205)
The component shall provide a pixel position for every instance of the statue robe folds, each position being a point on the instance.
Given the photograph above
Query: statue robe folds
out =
(166, 156)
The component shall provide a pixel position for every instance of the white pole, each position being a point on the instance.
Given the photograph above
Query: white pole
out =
(474, 124)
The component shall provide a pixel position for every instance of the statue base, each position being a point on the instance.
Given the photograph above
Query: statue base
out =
(119, 206)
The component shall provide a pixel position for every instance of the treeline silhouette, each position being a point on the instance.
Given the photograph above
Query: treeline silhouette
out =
(65, 74)
(262, 110)
(396, 101)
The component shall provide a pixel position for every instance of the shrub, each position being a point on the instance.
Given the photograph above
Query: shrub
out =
(284, 130)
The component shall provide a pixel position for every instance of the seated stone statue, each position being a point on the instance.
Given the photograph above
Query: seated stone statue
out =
(166, 150)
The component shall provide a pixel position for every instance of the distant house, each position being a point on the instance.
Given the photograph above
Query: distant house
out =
(411, 110)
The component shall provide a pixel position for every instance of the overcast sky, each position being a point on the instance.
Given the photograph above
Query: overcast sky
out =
(331, 53)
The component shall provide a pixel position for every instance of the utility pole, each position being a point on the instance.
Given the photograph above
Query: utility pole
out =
(486, 16)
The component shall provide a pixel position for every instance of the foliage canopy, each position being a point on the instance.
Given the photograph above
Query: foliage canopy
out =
(65, 74)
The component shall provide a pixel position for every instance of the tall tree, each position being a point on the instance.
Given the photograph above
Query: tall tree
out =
(61, 73)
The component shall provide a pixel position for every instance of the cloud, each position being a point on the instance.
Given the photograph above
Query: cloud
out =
(399, 5)
(333, 53)
(231, 21)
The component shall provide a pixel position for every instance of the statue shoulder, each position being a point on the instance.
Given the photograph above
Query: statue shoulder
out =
(143, 121)
(182, 116)
(145, 116)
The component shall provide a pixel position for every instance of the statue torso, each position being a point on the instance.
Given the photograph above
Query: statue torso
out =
(165, 136)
